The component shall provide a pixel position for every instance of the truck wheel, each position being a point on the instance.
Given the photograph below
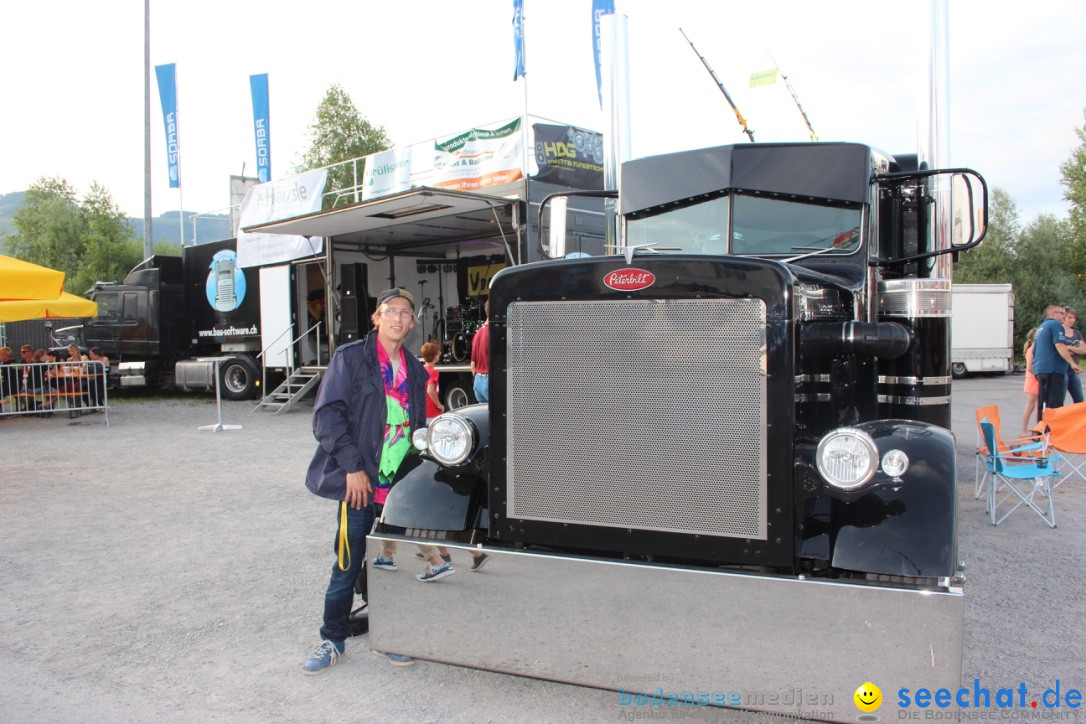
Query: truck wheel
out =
(239, 379)
(457, 395)
(958, 369)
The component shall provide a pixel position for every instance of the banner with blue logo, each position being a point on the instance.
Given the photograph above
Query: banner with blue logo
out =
(599, 9)
(518, 38)
(258, 84)
(167, 93)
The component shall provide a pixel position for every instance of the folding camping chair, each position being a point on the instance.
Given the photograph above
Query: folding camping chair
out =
(1066, 429)
(1018, 446)
(1022, 477)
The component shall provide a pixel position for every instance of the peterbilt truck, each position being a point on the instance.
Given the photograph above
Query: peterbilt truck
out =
(719, 458)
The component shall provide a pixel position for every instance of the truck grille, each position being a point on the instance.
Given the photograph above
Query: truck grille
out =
(644, 414)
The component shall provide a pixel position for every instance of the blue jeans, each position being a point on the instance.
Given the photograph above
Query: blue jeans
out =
(1074, 386)
(482, 388)
(340, 594)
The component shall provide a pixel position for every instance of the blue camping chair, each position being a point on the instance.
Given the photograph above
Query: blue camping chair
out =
(1011, 477)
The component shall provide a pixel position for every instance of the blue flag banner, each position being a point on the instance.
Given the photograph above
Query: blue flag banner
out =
(258, 84)
(599, 9)
(167, 93)
(518, 38)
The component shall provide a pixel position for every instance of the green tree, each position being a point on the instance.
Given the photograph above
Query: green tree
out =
(340, 133)
(993, 261)
(1042, 275)
(90, 241)
(1073, 176)
(110, 248)
(48, 226)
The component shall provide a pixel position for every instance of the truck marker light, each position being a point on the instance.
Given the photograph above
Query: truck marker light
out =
(895, 463)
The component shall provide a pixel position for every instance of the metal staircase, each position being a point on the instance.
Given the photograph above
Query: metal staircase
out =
(293, 388)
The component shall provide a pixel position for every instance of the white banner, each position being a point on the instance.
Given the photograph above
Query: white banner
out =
(479, 158)
(276, 201)
(387, 172)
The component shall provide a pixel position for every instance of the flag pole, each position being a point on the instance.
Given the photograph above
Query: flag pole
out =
(795, 98)
(180, 192)
(520, 72)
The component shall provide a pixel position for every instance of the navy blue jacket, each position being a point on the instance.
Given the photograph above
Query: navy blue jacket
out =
(350, 414)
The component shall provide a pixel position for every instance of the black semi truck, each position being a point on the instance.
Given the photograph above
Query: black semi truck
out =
(717, 462)
(171, 316)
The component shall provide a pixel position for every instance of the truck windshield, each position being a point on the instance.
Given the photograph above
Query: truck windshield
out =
(760, 226)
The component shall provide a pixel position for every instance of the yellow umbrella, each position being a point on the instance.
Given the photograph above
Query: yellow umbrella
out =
(66, 305)
(22, 280)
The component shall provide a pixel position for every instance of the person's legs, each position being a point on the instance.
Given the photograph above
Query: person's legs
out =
(1053, 388)
(340, 594)
(1031, 405)
(1074, 386)
(481, 388)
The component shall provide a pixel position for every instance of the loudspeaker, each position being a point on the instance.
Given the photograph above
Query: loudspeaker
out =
(348, 320)
(352, 300)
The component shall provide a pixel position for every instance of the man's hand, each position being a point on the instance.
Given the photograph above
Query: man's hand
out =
(358, 489)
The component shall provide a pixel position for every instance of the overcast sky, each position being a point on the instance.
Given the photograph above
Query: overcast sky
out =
(73, 81)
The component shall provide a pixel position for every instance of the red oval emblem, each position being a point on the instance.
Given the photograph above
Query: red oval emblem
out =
(629, 279)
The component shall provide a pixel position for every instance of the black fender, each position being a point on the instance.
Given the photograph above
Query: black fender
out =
(901, 527)
(429, 496)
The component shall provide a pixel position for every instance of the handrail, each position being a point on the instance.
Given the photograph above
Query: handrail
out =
(264, 367)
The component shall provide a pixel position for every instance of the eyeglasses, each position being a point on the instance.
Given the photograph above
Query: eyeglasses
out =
(392, 313)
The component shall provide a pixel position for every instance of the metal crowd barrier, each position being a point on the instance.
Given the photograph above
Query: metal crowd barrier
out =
(47, 388)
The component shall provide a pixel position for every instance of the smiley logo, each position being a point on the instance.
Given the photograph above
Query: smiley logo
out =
(868, 697)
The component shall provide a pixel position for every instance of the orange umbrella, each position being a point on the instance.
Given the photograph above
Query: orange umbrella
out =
(22, 280)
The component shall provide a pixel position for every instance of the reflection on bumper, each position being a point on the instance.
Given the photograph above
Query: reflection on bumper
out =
(757, 642)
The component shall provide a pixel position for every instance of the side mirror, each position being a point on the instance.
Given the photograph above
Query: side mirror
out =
(969, 204)
(556, 232)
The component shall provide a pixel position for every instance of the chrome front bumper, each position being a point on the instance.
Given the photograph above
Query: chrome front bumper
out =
(787, 646)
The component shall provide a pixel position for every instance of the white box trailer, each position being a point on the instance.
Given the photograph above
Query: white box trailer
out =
(982, 329)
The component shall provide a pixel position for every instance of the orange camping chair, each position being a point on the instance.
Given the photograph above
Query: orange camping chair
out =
(1032, 445)
(1066, 427)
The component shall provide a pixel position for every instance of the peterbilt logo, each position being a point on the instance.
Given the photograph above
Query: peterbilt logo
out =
(629, 280)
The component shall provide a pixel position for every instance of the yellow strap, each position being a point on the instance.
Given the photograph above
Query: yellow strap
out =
(343, 544)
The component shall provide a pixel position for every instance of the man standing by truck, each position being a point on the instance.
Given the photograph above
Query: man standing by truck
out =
(372, 396)
(1052, 360)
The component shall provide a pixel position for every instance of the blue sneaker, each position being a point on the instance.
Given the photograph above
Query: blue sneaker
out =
(386, 564)
(396, 659)
(326, 655)
(436, 573)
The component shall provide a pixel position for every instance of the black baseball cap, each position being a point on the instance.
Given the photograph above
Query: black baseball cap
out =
(392, 294)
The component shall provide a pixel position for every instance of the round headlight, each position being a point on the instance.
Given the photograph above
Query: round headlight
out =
(847, 458)
(895, 463)
(418, 439)
(450, 439)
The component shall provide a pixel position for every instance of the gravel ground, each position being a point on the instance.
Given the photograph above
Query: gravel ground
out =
(155, 572)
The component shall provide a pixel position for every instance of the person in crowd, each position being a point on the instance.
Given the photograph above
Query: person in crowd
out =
(371, 398)
(97, 389)
(434, 407)
(9, 374)
(1076, 347)
(1051, 360)
(1031, 386)
(480, 358)
(33, 376)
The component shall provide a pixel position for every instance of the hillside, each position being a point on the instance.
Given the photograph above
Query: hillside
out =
(164, 227)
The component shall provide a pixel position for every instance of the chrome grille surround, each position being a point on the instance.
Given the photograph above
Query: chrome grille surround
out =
(644, 414)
